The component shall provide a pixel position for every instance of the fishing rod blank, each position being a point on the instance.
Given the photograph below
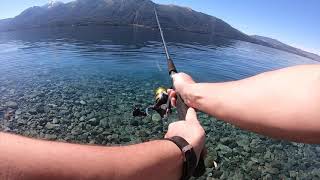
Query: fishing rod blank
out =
(181, 106)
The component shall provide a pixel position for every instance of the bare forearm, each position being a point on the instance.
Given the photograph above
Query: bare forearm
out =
(23, 158)
(282, 104)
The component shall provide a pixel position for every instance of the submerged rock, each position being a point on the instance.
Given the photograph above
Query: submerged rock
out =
(18, 112)
(209, 161)
(156, 117)
(104, 123)
(51, 126)
(135, 123)
(55, 121)
(224, 149)
(93, 122)
(12, 104)
(50, 137)
(82, 102)
(33, 111)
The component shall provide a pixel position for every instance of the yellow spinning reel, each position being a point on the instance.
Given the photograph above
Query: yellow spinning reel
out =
(162, 104)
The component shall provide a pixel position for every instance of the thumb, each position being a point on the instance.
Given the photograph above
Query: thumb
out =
(192, 116)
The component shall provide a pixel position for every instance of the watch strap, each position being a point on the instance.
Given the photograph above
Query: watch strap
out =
(189, 156)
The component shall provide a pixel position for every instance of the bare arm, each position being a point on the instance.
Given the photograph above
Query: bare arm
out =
(24, 158)
(282, 104)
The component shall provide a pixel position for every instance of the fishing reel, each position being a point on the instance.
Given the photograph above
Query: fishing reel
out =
(162, 105)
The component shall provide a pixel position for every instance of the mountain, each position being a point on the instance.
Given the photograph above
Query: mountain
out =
(280, 45)
(131, 12)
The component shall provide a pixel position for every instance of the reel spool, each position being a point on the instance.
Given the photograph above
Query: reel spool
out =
(162, 104)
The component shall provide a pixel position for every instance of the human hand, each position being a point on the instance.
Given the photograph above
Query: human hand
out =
(191, 130)
(182, 83)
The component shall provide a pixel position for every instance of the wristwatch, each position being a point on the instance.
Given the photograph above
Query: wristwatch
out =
(189, 156)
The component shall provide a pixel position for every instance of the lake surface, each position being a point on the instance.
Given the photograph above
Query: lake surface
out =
(80, 84)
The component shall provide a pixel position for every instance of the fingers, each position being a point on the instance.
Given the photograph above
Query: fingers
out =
(172, 95)
(192, 116)
(173, 102)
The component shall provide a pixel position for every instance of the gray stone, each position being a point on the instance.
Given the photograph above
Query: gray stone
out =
(142, 133)
(93, 122)
(104, 123)
(12, 104)
(156, 117)
(40, 109)
(254, 160)
(82, 118)
(293, 174)
(1, 113)
(50, 137)
(7, 129)
(135, 123)
(55, 121)
(51, 126)
(88, 127)
(224, 149)
(33, 111)
(82, 102)
(125, 139)
(113, 137)
(64, 112)
(77, 114)
(21, 122)
(18, 112)
(226, 140)
(272, 170)
(268, 155)
(209, 161)
(217, 174)
(52, 105)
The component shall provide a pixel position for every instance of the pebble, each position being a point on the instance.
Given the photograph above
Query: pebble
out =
(82, 102)
(50, 137)
(7, 129)
(226, 140)
(18, 112)
(77, 114)
(52, 105)
(40, 109)
(55, 121)
(82, 118)
(12, 104)
(104, 123)
(94, 122)
(51, 126)
(135, 123)
(209, 161)
(224, 149)
(156, 117)
(33, 111)
(1, 114)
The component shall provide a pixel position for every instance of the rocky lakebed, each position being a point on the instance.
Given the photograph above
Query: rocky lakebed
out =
(93, 109)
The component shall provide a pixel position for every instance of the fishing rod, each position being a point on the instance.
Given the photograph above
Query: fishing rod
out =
(181, 106)
(162, 101)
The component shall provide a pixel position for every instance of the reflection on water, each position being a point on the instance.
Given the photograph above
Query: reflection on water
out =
(80, 84)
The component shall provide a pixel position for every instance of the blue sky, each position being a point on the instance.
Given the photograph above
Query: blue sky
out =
(295, 22)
